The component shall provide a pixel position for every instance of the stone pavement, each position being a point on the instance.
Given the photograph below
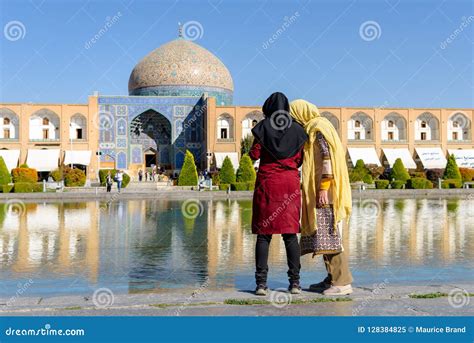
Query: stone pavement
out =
(365, 301)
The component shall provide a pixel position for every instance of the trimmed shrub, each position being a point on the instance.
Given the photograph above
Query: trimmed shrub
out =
(27, 187)
(60, 173)
(24, 165)
(467, 174)
(246, 172)
(7, 188)
(246, 144)
(24, 174)
(381, 184)
(359, 171)
(239, 186)
(368, 179)
(398, 184)
(5, 177)
(227, 174)
(75, 178)
(415, 173)
(451, 183)
(188, 175)
(399, 172)
(224, 186)
(419, 183)
(103, 176)
(452, 170)
(250, 185)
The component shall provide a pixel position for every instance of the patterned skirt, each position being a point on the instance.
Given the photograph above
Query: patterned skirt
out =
(328, 237)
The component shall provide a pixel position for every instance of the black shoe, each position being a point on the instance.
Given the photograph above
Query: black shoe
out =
(295, 288)
(261, 289)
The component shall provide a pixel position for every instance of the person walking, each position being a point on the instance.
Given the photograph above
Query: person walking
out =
(327, 201)
(119, 179)
(276, 205)
(140, 175)
(109, 182)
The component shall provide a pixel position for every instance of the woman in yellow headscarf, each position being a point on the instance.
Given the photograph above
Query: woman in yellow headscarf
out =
(326, 198)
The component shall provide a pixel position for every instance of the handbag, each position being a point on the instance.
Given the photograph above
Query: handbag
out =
(328, 237)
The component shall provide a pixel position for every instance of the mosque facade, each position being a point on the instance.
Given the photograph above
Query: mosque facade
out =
(181, 98)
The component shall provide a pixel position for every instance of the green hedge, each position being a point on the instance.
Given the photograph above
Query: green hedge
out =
(451, 172)
(224, 186)
(397, 184)
(75, 178)
(7, 188)
(368, 179)
(246, 171)
(103, 175)
(5, 177)
(188, 175)
(250, 185)
(419, 183)
(24, 175)
(399, 172)
(239, 186)
(381, 184)
(27, 187)
(227, 174)
(451, 183)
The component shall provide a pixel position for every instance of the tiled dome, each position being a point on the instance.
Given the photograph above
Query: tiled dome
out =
(179, 63)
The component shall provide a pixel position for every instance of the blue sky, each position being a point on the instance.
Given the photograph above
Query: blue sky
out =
(324, 55)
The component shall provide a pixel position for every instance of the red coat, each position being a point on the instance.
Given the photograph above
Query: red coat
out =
(277, 197)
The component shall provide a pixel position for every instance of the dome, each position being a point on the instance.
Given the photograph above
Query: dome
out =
(181, 68)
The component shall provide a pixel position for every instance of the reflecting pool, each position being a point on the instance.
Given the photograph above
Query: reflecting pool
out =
(155, 245)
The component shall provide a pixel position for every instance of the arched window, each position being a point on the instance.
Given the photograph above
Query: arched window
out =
(44, 125)
(359, 127)
(225, 127)
(459, 127)
(393, 127)
(426, 127)
(9, 124)
(249, 121)
(332, 118)
(78, 127)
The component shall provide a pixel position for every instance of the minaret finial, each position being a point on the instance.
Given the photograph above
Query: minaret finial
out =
(180, 30)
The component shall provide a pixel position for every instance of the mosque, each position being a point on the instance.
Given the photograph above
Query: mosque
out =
(180, 98)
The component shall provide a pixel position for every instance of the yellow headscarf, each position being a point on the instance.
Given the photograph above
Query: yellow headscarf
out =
(308, 116)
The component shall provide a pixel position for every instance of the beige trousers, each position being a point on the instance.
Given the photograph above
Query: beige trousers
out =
(337, 266)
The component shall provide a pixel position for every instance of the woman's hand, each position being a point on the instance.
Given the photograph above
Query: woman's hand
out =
(323, 198)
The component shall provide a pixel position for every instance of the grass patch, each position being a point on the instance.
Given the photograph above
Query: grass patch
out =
(184, 304)
(72, 308)
(294, 301)
(433, 295)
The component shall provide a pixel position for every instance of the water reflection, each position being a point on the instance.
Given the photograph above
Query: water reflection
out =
(149, 245)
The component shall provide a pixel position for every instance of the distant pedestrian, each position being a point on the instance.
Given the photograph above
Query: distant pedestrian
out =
(140, 175)
(119, 179)
(108, 182)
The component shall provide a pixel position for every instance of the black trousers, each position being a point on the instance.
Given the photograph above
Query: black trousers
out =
(292, 256)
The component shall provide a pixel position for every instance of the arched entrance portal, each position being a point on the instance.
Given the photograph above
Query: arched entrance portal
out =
(152, 131)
